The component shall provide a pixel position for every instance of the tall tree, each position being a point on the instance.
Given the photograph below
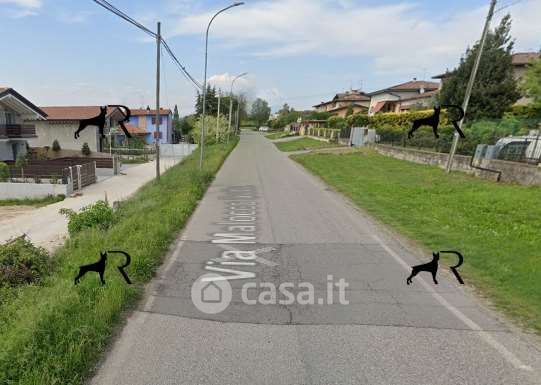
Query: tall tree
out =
(495, 89)
(531, 83)
(212, 102)
(260, 111)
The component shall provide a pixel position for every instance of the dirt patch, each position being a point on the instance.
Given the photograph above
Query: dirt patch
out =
(9, 212)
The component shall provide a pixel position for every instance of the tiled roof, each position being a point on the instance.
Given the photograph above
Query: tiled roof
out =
(523, 58)
(415, 85)
(73, 112)
(346, 107)
(144, 112)
(135, 130)
(348, 96)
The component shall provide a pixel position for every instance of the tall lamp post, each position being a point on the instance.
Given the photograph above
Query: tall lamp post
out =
(202, 141)
(231, 101)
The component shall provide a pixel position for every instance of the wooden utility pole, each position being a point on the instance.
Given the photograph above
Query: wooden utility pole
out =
(157, 127)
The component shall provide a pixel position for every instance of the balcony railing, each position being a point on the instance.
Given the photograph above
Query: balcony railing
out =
(17, 131)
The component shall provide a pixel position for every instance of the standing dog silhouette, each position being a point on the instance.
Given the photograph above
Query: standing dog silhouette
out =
(98, 267)
(432, 121)
(98, 121)
(431, 267)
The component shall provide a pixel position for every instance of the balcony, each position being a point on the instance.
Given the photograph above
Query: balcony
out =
(9, 131)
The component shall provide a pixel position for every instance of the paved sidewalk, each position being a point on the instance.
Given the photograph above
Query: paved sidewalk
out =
(46, 227)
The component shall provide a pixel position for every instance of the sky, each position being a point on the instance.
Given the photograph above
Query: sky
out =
(300, 52)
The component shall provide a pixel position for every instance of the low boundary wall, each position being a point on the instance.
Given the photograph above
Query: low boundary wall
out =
(32, 190)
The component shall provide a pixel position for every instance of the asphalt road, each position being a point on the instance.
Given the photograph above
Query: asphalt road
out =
(389, 333)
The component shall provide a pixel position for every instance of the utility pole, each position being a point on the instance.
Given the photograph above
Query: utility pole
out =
(230, 113)
(237, 124)
(218, 116)
(470, 83)
(157, 127)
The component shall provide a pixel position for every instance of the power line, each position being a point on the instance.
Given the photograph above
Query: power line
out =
(507, 6)
(111, 8)
(108, 6)
(181, 67)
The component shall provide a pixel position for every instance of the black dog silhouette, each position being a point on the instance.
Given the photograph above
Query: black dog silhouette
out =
(98, 121)
(432, 121)
(431, 267)
(98, 267)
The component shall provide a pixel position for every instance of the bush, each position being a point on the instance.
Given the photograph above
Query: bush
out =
(337, 122)
(358, 120)
(56, 146)
(85, 149)
(210, 129)
(4, 172)
(22, 263)
(99, 215)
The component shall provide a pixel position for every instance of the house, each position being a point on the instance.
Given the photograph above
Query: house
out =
(520, 62)
(144, 120)
(14, 132)
(354, 100)
(414, 94)
(63, 121)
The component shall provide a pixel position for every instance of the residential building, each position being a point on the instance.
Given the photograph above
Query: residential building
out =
(14, 132)
(62, 123)
(145, 121)
(520, 61)
(354, 100)
(415, 94)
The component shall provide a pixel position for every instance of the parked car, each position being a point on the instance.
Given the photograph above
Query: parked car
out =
(264, 128)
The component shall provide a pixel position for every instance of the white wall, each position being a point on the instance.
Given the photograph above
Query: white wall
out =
(47, 132)
(31, 190)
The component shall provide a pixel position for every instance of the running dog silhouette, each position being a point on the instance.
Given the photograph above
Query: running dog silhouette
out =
(434, 121)
(98, 267)
(431, 267)
(98, 121)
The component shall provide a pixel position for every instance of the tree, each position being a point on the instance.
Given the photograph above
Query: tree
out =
(56, 146)
(495, 89)
(260, 112)
(4, 172)
(21, 162)
(85, 149)
(284, 109)
(531, 83)
(212, 102)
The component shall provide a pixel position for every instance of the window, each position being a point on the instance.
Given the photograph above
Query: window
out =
(154, 120)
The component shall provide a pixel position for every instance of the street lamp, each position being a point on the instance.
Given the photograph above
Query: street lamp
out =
(202, 141)
(231, 101)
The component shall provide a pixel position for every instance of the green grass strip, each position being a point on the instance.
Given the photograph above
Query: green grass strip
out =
(55, 333)
(496, 226)
(38, 202)
(303, 144)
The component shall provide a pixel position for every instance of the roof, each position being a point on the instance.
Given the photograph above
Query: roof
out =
(144, 111)
(74, 112)
(348, 96)
(135, 130)
(428, 94)
(5, 91)
(412, 85)
(346, 107)
(523, 58)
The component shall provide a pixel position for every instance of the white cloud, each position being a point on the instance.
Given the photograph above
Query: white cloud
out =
(245, 85)
(23, 8)
(23, 3)
(400, 38)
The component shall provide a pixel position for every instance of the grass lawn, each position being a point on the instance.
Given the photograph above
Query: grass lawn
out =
(278, 135)
(303, 144)
(39, 202)
(495, 226)
(55, 332)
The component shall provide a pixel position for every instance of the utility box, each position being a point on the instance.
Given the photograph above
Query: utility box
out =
(361, 136)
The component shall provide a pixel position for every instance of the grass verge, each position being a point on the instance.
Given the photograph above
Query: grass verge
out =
(495, 226)
(303, 144)
(280, 134)
(40, 202)
(54, 333)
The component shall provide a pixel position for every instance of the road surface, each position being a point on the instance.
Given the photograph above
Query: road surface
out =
(389, 333)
